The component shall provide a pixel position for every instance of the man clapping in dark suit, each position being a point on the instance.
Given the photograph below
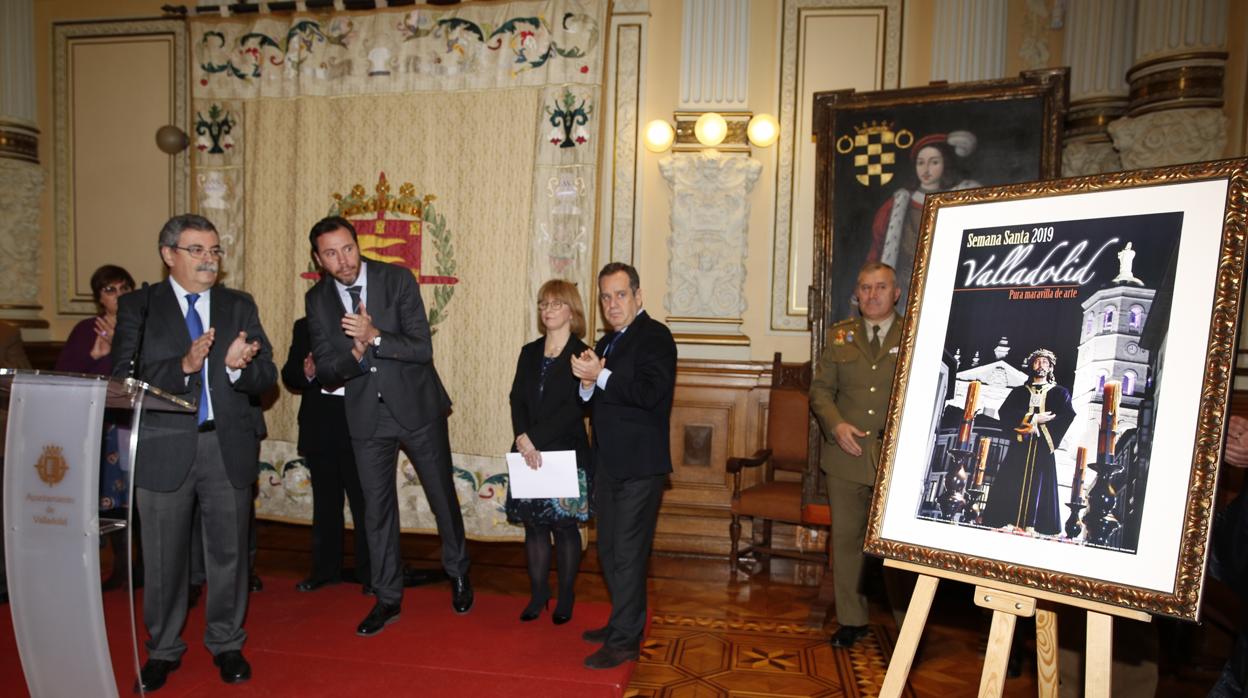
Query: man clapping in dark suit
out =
(370, 332)
(629, 379)
(207, 459)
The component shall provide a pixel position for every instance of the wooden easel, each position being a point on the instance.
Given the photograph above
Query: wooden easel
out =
(1008, 602)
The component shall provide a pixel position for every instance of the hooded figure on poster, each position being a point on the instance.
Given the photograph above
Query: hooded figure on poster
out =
(1046, 322)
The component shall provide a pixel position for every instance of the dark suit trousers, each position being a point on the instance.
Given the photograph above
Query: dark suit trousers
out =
(628, 511)
(166, 533)
(429, 449)
(333, 473)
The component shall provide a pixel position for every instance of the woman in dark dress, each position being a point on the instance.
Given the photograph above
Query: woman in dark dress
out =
(87, 351)
(547, 415)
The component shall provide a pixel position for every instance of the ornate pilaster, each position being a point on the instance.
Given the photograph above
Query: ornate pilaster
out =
(714, 60)
(1175, 110)
(21, 177)
(968, 42)
(1099, 47)
(706, 251)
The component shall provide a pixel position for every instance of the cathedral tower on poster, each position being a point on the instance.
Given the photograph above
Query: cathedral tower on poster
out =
(1109, 349)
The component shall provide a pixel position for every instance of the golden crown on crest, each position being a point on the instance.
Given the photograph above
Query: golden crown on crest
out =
(358, 201)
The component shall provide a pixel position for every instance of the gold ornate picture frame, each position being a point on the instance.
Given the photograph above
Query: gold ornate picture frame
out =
(1063, 383)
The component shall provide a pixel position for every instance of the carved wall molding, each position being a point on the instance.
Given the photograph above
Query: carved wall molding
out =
(21, 186)
(793, 248)
(1089, 158)
(1170, 137)
(618, 237)
(708, 243)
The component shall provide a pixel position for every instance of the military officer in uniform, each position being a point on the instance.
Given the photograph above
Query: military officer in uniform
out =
(849, 396)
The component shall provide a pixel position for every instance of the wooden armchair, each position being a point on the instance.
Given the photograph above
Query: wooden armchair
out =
(786, 451)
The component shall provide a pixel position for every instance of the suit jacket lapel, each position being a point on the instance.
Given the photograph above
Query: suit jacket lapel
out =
(167, 312)
(378, 293)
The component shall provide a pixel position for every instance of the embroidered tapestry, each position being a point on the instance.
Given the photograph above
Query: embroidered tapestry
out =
(462, 142)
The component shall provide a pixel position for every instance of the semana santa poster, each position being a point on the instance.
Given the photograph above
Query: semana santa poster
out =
(1084, 295)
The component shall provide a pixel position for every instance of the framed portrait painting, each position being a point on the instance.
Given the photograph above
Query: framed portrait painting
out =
(879, 154)
(1063, 383)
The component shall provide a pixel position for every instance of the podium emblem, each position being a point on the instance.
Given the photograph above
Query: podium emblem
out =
(51, 465)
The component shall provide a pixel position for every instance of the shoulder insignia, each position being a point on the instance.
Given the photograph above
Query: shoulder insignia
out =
(838, 339)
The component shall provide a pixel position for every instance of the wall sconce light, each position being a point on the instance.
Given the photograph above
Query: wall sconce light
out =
(763, 130)
(659, 136)
(710, 129)
(171, 140)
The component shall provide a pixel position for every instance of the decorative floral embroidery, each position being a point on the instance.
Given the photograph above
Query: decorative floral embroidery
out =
(568, 120)
(214, 131)
(455, 42)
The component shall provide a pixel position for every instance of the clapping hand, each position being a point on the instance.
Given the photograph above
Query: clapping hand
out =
(587, 366)
(241, 352)
(103, 344)
(193, 361)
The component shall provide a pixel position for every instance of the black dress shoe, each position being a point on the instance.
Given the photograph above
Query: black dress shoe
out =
(155, 672)
(608, 657)
(234, 668)
(563, 610)
(596, 636)
(383, 614)
(255, 584)
(368, 590)
(848, 636)
(461, 594)
(534, 609)
(312, 584)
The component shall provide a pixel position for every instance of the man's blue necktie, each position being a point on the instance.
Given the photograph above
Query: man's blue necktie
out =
(606, 351)
(196, 327)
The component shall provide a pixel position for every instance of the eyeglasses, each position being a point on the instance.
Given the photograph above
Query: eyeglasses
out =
(116, 289)
(201, 252)
(551, 305)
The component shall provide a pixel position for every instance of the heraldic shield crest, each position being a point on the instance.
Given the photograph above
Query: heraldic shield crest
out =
(406, 230)
(52, 465)
(874, 147)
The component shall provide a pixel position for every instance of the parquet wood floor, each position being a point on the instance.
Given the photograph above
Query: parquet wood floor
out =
(755, 637)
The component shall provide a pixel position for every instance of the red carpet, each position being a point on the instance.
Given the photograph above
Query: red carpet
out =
(305, 645)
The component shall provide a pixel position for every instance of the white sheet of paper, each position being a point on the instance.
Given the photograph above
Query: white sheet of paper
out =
(555, 479)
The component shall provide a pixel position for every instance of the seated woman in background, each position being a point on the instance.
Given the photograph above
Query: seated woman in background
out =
(88, 351)
(547, 415)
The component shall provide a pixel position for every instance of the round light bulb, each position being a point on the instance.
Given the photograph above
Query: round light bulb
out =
(710, 129)
(763, 130)
(171, 140)
(659, 136)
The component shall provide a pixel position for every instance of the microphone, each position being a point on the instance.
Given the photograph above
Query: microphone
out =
(146, 290)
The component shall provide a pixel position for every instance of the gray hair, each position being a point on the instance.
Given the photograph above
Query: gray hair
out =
(171, 232)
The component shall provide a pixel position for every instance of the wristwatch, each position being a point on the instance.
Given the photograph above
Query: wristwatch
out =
(376, 340)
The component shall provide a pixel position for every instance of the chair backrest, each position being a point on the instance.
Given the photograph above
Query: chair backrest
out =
(788, 415)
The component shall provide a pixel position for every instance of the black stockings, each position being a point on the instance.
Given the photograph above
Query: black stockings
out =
(537, 548)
